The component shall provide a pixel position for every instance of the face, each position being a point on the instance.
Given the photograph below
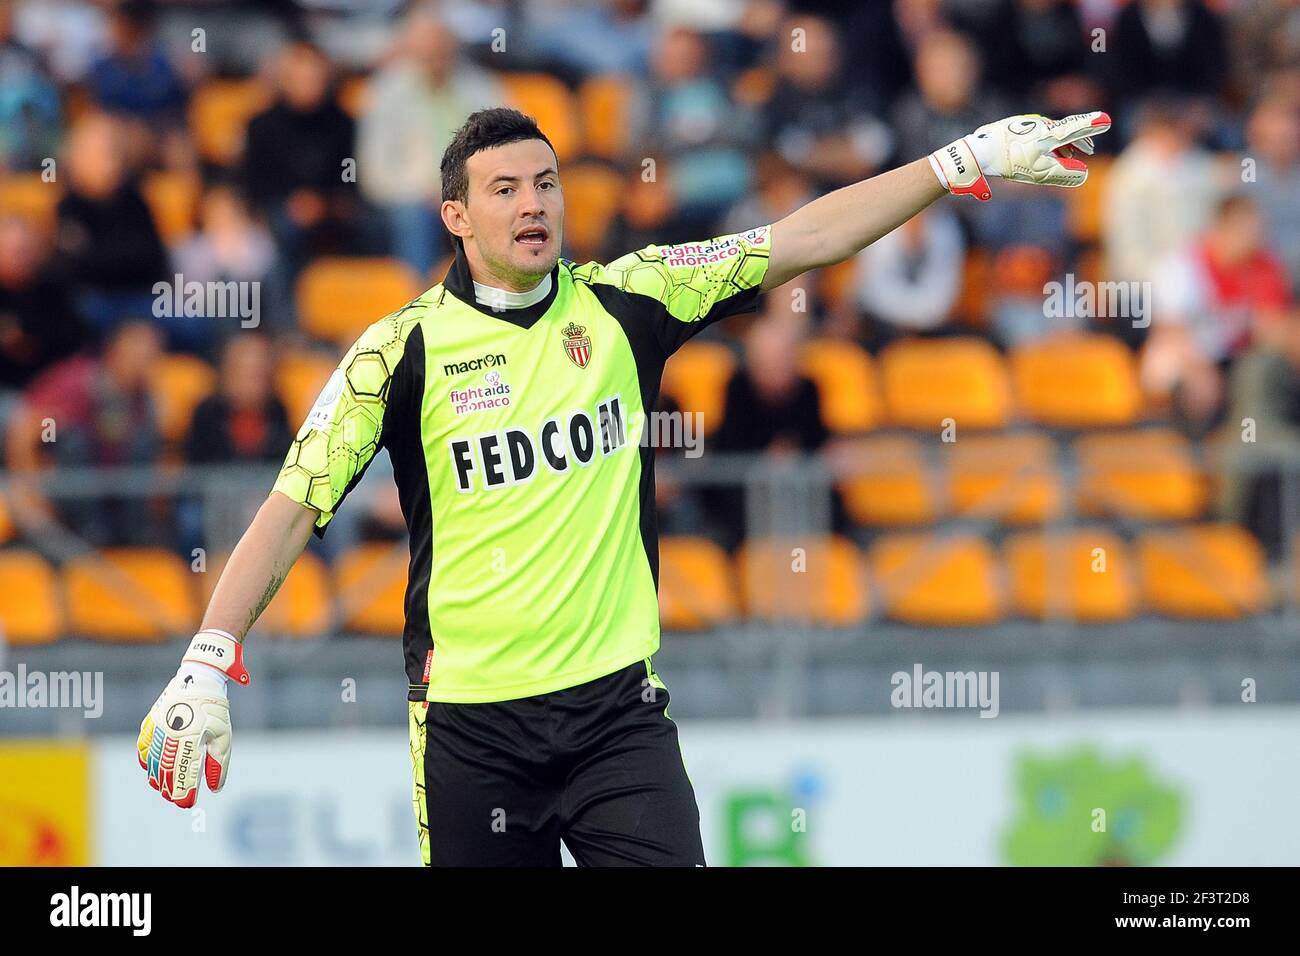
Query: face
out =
(513, 218)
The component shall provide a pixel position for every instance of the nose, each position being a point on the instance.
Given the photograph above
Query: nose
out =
(530, 203)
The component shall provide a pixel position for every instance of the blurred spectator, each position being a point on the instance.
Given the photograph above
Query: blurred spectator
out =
(1019, 311)
(818, 119)
(106, 233)
(417, 103)
(908, 281)
(38, 323)
(135, 76)
(243, 420)
(616, 35)
(1264, 37)
(771, 408)
(948, 102)
(1212, 299)
(779, 190)
(230, 244)
(689, 118)
(88, 411)
(293, 167)
(30, 113)
(1166, 45)
(1160, 193)
(1272, 137)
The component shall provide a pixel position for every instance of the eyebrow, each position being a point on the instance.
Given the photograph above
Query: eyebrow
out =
(504, 178)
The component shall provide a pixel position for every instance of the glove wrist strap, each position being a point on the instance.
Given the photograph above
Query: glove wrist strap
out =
(958, 171)
(218, 649)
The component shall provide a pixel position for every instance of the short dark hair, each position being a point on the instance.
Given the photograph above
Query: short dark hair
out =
(483, 130)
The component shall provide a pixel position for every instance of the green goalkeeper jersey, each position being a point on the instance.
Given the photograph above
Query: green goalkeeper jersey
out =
(518, 447)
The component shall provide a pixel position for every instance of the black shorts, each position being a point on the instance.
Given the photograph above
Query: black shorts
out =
(597, 766)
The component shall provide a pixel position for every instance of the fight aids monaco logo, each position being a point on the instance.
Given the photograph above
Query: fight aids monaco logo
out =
(577, 344)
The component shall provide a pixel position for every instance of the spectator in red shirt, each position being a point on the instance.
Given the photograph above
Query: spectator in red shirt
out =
(1212, 300)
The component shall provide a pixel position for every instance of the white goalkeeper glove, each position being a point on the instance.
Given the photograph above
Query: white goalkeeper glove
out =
(1026, 149)
(186, 734)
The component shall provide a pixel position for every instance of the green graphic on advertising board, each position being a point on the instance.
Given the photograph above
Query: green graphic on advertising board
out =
(1080, 808)
(769, 826)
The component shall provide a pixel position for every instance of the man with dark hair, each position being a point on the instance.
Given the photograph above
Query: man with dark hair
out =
(511, 398)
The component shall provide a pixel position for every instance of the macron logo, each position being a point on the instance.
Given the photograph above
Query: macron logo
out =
(103, 909)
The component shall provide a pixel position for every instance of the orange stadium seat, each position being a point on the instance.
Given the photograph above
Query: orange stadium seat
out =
(847, 386)
(929, 380)
(27, 196)
(1011, 477)
(338, 297)
(591, 198)
(219, 114)
(299, 378)
(891, 486)
(179, 383)
(548, 101)
(935, 580)
(822, 582)
(838, 283)
(370, 581)
(131, 594)
(31, 611)
(1082, 575)
(173, 198)
(354, 95)
(1077, 381)
(1085, 208)
(696, 379)
(1214, 570)
(754, 86)
(1149, 474)
(304, 605)
(696, 587)
(972, 306)
(6, 520)
(603, 102)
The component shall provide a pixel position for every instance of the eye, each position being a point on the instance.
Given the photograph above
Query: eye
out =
(505, 190)
(546, 184)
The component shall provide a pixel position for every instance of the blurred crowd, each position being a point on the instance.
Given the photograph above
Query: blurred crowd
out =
(745, 109)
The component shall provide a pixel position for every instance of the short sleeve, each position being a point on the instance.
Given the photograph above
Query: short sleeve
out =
(696, 283)
(345, 426)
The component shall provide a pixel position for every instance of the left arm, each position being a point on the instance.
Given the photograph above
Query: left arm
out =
(839, 224)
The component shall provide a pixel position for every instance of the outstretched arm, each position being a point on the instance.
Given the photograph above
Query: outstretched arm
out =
(1027, 148)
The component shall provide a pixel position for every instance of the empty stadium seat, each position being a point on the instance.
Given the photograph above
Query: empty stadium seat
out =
(6, 520)
(935, 580)
(302, 607)
(696, 379)
(696, 586)
(1150, 474)
(178, 384)
(929, 380)
(547, 100)
(972, 306)
(31, 608)
(173, 198)
(889, 484)
(1082, 575)
(132, 594)
(338, 297)
(1085, 206)
(847, 388)
(299, 378)
(1011, 477)
(822, 582)
(1076, 381)
(219, 114)
(1214, 570)
(27, 196)
(370, 582)
(603, 102)
(591, 198)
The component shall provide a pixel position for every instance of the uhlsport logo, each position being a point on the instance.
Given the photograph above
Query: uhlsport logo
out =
(577, 344)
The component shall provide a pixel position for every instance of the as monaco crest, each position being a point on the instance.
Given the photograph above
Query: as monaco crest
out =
(577, 345)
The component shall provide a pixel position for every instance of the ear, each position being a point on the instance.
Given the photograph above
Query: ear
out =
(456, 218)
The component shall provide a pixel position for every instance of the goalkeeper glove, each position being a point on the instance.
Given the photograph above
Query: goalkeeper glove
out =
(1026, 149)
(188, 727)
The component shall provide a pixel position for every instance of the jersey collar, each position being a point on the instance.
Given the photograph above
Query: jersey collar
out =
(460, 283)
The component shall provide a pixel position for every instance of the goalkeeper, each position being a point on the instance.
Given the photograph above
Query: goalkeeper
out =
(510, 399)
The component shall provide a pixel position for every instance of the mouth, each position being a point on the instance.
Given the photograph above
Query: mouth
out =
(532, 236)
